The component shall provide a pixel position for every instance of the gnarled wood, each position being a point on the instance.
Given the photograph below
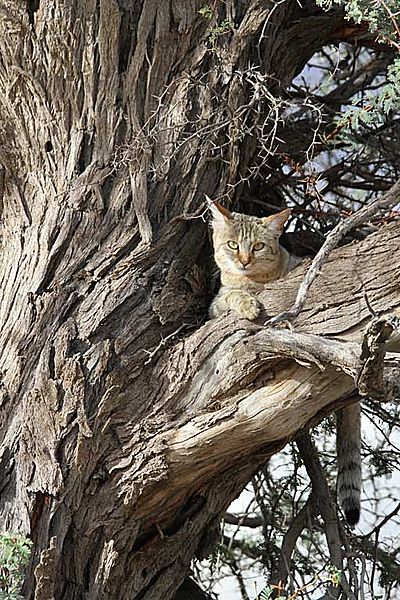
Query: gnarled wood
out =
(126, 428)
(214, 406)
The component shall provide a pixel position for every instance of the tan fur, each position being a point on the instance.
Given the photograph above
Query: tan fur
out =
(245, 269)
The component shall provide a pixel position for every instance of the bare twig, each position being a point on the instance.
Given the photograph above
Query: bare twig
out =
(162, 343)
(289, 542)
(243, 520)
(385, 520)
(236, 571)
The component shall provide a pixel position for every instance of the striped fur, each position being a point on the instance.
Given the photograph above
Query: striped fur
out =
(248, 254)
(348, 449)
(244, 271)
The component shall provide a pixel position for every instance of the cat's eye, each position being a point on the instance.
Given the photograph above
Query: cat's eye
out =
(258, 246)
(233, 245)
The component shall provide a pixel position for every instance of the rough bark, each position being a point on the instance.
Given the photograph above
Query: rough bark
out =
(172, 442)
(120, 442)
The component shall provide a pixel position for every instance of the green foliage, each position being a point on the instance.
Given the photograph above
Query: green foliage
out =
(206, 12)
(266, 593)
(373, 110)
(15, 550)
(335, 575)
(379, 16)
(333, 578)
(219, 29)
(381, 19)
(382, 462)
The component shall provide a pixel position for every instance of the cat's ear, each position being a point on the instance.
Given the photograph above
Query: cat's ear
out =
(220, 214)
(277, 222)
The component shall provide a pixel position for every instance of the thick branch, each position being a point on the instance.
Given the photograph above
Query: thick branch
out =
(387, 200)
(252, 393)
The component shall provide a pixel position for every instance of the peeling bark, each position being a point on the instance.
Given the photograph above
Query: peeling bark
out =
(120, 446)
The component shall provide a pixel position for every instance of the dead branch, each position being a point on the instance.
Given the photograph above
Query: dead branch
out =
(387, 200)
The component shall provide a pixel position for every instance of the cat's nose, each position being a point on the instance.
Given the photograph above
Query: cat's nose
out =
(245, 259)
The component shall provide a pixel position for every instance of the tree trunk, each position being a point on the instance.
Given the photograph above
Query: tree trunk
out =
(126, 427)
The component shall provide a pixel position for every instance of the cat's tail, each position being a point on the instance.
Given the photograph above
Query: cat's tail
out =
(348, 447)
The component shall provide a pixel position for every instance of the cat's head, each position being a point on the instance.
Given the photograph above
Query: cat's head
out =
(246, 245)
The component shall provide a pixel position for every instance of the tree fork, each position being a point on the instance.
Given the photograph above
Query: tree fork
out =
(172, 475)
(106, 458)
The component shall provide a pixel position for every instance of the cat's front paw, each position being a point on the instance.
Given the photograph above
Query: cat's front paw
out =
(248, 307)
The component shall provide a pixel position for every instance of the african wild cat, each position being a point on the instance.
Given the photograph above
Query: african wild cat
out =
(248, 254)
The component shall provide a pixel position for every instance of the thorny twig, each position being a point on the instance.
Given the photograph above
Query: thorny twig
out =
(162, 343)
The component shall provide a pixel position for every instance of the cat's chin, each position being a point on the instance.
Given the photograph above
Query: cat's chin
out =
(239, 270)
